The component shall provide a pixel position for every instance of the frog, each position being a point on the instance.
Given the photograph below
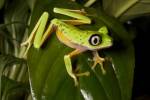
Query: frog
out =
(70, 35)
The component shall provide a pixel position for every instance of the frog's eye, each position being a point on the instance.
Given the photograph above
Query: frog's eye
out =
(95, 39)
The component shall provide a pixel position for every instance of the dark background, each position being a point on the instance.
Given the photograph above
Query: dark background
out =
(141, 86)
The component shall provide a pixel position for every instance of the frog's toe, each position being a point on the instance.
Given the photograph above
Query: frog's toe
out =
(87, 73)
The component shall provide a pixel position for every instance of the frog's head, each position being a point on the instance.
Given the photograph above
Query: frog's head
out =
(100, 39)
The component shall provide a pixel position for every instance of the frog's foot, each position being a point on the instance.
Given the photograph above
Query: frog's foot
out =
(78, 74)
(75, 76)
(87, 73)
(98, 60)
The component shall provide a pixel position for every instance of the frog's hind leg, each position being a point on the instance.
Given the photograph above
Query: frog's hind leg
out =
(68, 64)
(41, 23)
(39, 34)
(81, 11)
(78, 15)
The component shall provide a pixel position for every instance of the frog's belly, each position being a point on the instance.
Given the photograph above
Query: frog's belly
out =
(68, 42)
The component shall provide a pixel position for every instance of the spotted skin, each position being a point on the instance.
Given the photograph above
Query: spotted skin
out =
(79, 37)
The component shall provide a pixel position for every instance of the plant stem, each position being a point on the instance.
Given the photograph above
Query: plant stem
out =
(125, 7)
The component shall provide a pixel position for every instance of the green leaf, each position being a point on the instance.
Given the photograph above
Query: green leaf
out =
(49, 79)
(141, 8)
(19, 13)
(12, 90)
(2, 3)
(7, 61)
(127, 9)
(14, 26)
(31, 4)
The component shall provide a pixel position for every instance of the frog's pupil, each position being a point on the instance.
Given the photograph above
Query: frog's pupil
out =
(95, 41)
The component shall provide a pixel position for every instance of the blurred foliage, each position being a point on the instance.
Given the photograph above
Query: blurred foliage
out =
(127, 9)
(12, 90)
(1, 3)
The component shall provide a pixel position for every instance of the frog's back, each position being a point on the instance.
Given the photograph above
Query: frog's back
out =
(71, 34)
(64, 27)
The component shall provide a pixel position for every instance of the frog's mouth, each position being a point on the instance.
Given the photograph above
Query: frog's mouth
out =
(102, 46)
(108, 46)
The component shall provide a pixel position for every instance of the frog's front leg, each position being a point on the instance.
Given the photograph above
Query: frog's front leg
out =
(68, 64)
(98, 60)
